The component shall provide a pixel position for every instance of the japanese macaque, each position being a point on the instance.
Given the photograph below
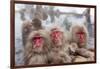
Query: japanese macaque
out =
(36, 22)
(79, 36)
(41, 13)
(72, 50)
(29, 26)
(37, 47)
(57, 53)
(26, 29)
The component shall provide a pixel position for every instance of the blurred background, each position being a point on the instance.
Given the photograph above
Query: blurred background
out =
(50, 15)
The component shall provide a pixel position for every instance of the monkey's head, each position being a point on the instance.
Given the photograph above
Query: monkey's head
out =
(79, 34)
(57, 37)
(36, 22)
(27, 26)
(38, 41)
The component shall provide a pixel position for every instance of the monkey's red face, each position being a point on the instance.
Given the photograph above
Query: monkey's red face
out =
(56, 37)
(81, 36)
(38, 41)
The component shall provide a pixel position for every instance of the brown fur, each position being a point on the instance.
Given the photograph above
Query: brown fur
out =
(79, 59)
(37, 55)
(58, 53)
(76, 28)
(36, 22)
(41, 13)
(82, 52)
(85, 53)
(26, 29)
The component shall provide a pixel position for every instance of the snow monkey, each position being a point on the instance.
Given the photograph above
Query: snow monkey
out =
(36, 22)
(57, 53)
(29, 26)
(26, 29)
(41, 13)
(37, 47)
(79, 36)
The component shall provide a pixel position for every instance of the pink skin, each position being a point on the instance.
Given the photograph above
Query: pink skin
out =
(81, 36)
(37, 41)
(56, 37)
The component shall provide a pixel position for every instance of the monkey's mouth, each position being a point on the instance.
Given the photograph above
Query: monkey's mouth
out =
(82, 40)
(37, 42)
(36, 45)
(57, 42)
